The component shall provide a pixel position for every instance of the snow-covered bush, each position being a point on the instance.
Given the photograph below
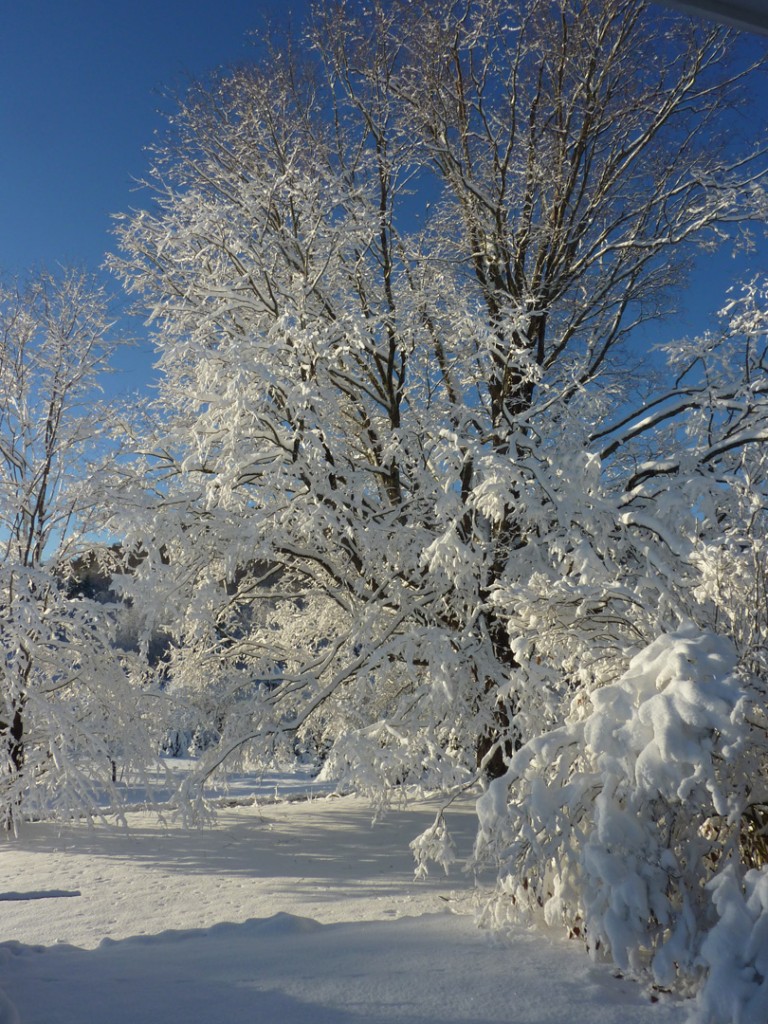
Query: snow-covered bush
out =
(735, 951)
(634, 823)
(76, 701)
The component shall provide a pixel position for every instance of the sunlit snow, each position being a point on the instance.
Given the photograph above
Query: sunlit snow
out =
(289, 911)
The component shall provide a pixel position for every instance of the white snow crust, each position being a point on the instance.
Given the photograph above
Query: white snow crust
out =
(289, 912)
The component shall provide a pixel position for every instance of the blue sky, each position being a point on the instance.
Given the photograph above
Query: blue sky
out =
(81, 84)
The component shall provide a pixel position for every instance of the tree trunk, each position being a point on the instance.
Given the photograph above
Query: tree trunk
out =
(496, 765)
(16, 746)
(502, 729)
(13, 738)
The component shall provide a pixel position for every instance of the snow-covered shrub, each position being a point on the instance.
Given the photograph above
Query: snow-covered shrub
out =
(733, 575)
(735, 951)
(633, 822)
(78, 703)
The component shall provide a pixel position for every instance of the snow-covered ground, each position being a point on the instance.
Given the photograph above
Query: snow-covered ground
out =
(290, 912)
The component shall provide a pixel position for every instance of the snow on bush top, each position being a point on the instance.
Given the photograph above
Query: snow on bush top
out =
(659, 722)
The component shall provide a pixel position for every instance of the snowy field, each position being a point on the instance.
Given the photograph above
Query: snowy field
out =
(297, 912)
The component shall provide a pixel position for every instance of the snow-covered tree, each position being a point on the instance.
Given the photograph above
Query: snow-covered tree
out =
(67, 711)
(393, 275)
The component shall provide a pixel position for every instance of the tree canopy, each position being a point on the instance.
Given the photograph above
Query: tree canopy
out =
(394, 273)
